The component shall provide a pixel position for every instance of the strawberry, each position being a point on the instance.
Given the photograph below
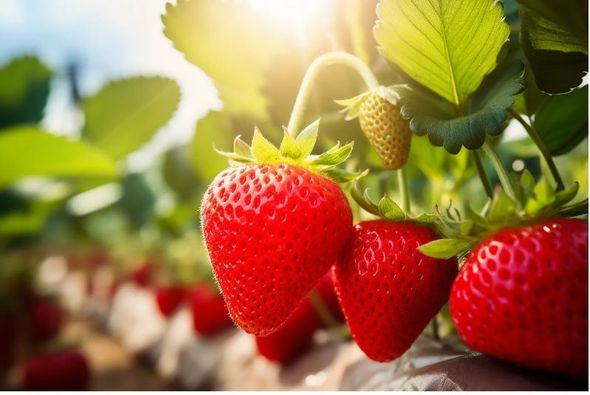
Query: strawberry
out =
(388, 290)
(273, 229)
(295, 336)
(44, 319)
(142, 275)
(380, 119)
(169, 298)
(522, 296)
(58, 371)
(208, 310)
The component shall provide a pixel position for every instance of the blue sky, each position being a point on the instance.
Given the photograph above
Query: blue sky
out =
(108, 39)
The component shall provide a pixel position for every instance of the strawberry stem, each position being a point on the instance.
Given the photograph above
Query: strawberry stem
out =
(322, 310)
(500, 170)
(434, 326)
(404, 190)
(322, 61)
(534, 135)
(482, 175)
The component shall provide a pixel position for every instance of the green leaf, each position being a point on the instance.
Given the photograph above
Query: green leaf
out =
(503, 208)
(263, 150)
(390, 210)
(554, 39)
(486, 115)
(566, 195)
(29, 151)
(241, 148)
(126, 113)
(24, 88)
(333, 156)
(289, 148)
(449, 46)
(557, 26)
(214, 130)
(307, 138)
(562, 121)
(224, 39)
(31, 221)
(444, 248)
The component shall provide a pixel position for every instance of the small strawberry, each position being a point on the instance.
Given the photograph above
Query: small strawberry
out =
(274, 227)
(522, 296)
(208, 310)
(142, 275)
(383, 125)
(44, 318)
(295, 336)
(388, 290)
(58, 371)
(169, 298)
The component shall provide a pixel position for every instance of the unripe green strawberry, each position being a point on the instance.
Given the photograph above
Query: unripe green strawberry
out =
(386, 130)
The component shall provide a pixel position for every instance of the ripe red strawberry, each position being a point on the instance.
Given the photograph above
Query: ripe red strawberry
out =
(44, 319)
(522, 296)
(169, 298)
(272, 231)
(388, 290)
(295, 336)
(142, 275)
(59, 371)
(208, 310)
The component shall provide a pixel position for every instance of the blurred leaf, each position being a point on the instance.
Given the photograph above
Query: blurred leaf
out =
(29, 151)
(30, 221)
(215, 129)
(126, 113)
(486, 115)
(24, 88)
(427, 40)
(554, 39)
(178, 172)
(224, 40)
(138, 200)
(562, 121)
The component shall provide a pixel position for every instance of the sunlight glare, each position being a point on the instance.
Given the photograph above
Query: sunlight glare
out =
(292, 13)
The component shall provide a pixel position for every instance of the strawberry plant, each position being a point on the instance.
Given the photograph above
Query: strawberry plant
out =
(460, 74)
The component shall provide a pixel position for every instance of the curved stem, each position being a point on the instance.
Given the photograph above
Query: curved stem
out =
(403, 189)
(435, 331)
(482, 175)
(322, 310)
(500, 170)
(534, 135)
(322, 61)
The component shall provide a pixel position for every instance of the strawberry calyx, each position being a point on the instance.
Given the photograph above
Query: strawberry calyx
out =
(461, 232)
(295, 151)
(387, 208)
(352, 106)
(534, 202)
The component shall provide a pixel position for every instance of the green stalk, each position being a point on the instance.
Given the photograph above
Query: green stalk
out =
(434, 326)
(482, 175)
(321, 62)
(500, 170)
(322, 310)
(403, 189)
(534, 135)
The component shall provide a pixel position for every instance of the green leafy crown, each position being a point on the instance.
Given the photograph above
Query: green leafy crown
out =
(295, 151)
